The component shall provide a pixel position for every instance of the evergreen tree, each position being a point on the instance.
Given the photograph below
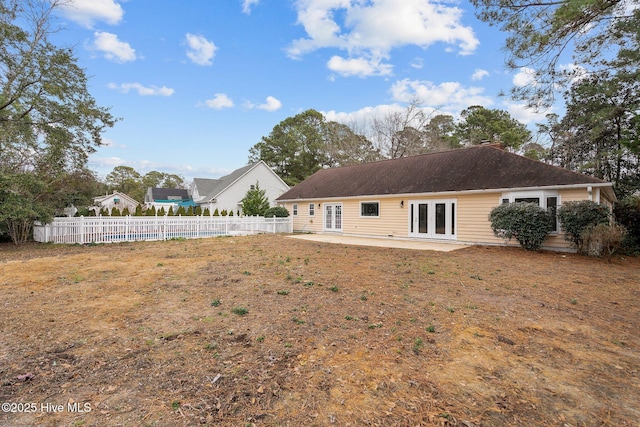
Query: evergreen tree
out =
(255, 202)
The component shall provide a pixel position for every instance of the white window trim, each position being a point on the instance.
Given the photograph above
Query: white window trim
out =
(294, 209)
(312, 209)
(540, 195)
(369, 202)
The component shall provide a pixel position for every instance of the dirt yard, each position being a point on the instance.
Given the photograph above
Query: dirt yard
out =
(273, 331)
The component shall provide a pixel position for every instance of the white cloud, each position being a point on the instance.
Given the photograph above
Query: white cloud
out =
(106, 162)
(86, 12)
(575, 72)
(271, 104)
(201, 51)
(112, 48)
(524, 77)
(417, 63)
(479, 74)
(450, 97)
(526, 115)
(373, 29)
(142, 90)
(219, 101)
(360, 67)
(247, 4)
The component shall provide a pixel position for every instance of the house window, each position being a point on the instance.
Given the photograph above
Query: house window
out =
(294, 208)
(253, 187)
(371, 209)
(312, 209)
(548, 200)
(116, 201)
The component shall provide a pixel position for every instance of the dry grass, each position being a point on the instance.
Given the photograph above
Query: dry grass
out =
(267, 330)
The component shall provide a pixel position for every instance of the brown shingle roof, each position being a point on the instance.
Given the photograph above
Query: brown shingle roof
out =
(475, 168)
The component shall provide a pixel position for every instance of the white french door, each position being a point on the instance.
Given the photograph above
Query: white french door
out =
(333, 217)
(434, 219)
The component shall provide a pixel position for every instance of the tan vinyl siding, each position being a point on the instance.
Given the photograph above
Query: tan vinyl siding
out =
(303, 222)
(392, 220)
(472, 216)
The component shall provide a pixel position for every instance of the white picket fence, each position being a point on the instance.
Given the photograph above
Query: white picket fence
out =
(107, 229)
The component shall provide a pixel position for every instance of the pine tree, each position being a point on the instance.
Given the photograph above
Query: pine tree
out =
(255, 202)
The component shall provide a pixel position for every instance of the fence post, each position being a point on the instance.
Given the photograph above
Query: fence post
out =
(82, 229)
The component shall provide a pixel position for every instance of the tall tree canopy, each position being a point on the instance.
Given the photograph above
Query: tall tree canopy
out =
(295, 147)
(600, 133)
(49, 123)
(479, 124)
(541, 31)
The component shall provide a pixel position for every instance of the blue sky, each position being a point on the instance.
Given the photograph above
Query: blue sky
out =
(199, 82)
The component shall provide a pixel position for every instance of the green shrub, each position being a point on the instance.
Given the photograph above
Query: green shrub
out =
(603, 239)
(161, 211)
(576, 217)
(197, 211)
(138, 211)
(224, 212)
(277, 211)
(528, 223)
(125, 212)
(115, 211)
(170, 213)
(151, 212)
(206, 212)
(216, 213)
(181, 211)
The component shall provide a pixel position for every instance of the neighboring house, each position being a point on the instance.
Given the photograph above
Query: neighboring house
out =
(445, 196)
(117, 200)
(226, 193)
(168, 197)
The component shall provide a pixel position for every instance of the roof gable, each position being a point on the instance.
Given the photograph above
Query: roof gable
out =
(223, 183)
(205, 186)
(114, 195)
(475, 168)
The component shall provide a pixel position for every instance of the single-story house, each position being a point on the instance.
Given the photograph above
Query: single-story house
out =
(226, 193)
(444, 196)
(115, 200)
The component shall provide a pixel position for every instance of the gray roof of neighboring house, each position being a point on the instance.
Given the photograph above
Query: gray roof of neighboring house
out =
(165, 193)
(213, 187)
(476, 168)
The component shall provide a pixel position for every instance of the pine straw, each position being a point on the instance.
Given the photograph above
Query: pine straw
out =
(333, 335)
